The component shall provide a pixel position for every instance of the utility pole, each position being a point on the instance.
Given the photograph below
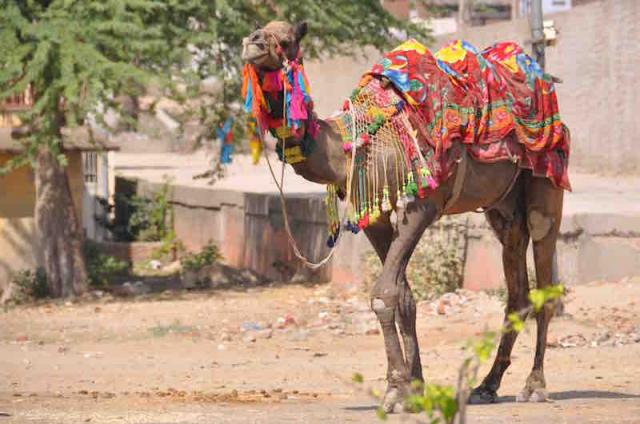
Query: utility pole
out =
(537, 32)
(461, 7)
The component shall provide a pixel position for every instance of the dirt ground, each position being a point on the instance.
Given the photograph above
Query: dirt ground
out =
(286, 354)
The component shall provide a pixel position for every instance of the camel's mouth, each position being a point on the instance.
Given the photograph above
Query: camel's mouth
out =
(253, 51)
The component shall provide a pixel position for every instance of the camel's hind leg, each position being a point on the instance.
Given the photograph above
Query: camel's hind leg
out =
(544, 214)
(508, 221)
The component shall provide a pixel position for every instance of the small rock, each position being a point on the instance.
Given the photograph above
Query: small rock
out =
(372, 332)
(264, 334)
(250, 326)
(22, 338)
(442, 308)
(285, 321)
(249, 338)
(299, 336)
(135, 289)
(155, 264)
(225, 337)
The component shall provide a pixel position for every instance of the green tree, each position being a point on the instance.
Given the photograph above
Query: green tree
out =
(79, 57)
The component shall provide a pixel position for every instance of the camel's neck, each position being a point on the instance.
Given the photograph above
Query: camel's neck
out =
(326, 161)
(313, 147)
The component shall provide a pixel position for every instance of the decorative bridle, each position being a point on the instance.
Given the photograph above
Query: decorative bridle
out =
(288, 84)
(256, 103)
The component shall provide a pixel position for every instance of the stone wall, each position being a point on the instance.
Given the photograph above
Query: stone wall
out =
(248, 227)
(249, 230)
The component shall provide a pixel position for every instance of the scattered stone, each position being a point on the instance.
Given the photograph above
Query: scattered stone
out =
(285, 321)
(134, 289)
(264, 334)
(225, 337)
(22, 338)
(250, 326)
(222, 347)
(250, 337)
(155, 264)
(299, 335)
(372, 332)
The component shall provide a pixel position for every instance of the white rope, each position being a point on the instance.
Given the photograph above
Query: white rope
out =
(280, 185)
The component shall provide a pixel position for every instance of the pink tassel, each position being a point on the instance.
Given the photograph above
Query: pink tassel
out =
(298, 111)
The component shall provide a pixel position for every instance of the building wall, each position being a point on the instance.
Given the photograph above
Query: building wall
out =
(597, 57)
(18, 242)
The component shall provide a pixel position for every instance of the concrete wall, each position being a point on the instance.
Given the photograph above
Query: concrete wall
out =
(597, 56)
(248, 227)
(249, 230)
(18, 244)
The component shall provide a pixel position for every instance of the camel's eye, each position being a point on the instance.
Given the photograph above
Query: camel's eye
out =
(284, 44)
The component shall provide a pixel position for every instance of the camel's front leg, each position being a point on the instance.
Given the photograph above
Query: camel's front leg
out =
(385, 295)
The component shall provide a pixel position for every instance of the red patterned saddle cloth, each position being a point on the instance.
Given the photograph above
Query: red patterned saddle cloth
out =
(498, 102)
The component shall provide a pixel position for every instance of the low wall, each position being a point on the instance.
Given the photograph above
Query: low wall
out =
(249, 230)
(130, 252)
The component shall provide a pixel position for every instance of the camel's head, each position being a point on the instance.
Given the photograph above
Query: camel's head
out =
(268, 47)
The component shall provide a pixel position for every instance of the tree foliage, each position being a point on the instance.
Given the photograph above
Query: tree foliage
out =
(77, 56)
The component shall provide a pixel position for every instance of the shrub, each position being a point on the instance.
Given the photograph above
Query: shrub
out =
(151, 217)
(170, 249)
(209, 255)
(100, 267)
(437, 264)
(29, 285)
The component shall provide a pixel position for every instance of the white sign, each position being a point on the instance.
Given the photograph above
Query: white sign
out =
(548, 6)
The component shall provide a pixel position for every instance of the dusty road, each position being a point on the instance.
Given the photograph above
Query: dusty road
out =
(212, 358)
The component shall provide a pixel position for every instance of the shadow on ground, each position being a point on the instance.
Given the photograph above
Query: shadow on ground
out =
(579, 394)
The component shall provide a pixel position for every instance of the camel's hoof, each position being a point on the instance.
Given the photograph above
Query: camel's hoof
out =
(532, 395)
(481, 396)
(392, 398)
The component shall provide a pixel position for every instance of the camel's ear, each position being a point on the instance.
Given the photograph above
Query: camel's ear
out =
(256, 25)
(300, 30)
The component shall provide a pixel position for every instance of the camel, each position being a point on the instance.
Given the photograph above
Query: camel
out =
(519, 208)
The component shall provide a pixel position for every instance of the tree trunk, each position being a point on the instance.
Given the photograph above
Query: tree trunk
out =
(58, 228)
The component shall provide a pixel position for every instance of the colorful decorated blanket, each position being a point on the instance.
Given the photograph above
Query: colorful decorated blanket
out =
(498, 102)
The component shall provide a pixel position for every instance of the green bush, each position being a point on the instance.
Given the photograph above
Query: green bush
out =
(101, 268)
(437, 264)
(209, 255)
(29, 285)
(170, 249)
(151, 217)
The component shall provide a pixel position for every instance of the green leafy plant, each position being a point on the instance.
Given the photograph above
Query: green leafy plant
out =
(436, 266)
(152, 216)
(28, 285)
(209, 255)
(171, 247)
(101, 268)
